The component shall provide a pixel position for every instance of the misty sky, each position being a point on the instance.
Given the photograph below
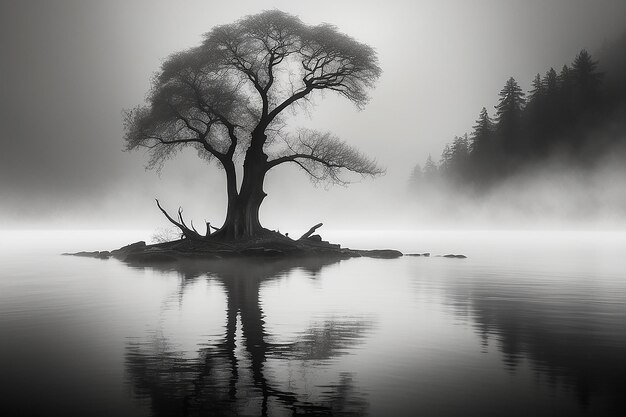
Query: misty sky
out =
(68, 68)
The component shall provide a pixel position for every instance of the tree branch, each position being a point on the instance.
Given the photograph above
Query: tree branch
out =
(323, 156)
(187, 233)
(282, 106)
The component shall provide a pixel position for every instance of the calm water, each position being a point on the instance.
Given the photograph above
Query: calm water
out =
(532, 323)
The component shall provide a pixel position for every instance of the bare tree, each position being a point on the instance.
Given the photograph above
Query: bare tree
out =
(225, 98)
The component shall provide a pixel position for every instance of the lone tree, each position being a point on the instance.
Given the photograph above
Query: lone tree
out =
(227, 99)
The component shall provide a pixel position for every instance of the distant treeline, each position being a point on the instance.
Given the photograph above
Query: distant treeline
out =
(576, 115)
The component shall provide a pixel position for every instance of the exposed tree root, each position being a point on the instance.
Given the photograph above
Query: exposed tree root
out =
(188, 233)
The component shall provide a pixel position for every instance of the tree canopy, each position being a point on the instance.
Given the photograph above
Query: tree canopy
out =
(227, 97)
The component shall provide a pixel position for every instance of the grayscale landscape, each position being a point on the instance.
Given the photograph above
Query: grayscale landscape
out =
(322, 208)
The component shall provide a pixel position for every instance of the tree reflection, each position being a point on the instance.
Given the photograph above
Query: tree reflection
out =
(573, 339)
(222, 381)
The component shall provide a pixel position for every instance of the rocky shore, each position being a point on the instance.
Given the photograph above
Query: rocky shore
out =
(274, 245)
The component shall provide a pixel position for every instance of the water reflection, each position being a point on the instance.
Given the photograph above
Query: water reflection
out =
(560, 338)
(571, 332)
(242, 373)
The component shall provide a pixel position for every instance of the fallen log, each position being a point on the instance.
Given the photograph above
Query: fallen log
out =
(311, 231)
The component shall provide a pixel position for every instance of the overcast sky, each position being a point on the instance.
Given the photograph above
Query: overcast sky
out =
(68, 68)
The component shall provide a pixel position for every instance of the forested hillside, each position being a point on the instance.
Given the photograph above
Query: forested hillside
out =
(575, 115)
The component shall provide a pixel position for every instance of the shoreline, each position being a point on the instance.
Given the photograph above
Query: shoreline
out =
(274, 246)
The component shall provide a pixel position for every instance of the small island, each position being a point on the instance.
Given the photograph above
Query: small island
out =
(266, 245)
(229, 100)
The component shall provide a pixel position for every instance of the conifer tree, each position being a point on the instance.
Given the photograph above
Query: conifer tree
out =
(550, 82)
(508, 118)
(587, 78)
(416, 177)
(537, 92)
(535, 115)
(548, 118)
(460, 158)
(483, 130)
(509, 109)
(446, 157)
(566, 80)
(481, 146)
(430, 169)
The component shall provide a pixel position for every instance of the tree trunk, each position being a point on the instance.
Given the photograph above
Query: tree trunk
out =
(242, 216)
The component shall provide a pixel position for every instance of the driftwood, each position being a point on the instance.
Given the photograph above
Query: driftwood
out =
(191, 233)
(210, 226)
(186, 231)
(311, 231)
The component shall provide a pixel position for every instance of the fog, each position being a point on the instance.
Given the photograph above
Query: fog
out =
(553, 196)
(69, 68)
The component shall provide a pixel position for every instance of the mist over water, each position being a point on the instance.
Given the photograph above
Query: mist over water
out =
(555, 195)
(530, 323)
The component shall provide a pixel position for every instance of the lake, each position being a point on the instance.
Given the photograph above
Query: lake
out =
(531, 323)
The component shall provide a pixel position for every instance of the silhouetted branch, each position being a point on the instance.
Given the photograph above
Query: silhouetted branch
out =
(311, 231)
(187, 233)
(324, 157)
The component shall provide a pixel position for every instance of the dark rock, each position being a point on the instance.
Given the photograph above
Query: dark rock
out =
(260, 251)
(268, 246)
(221, 254)
(455, 256)
(133, 247)
(85, 254)
(426, 254)
(380, 253)
(95, 254)
(151, 257)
